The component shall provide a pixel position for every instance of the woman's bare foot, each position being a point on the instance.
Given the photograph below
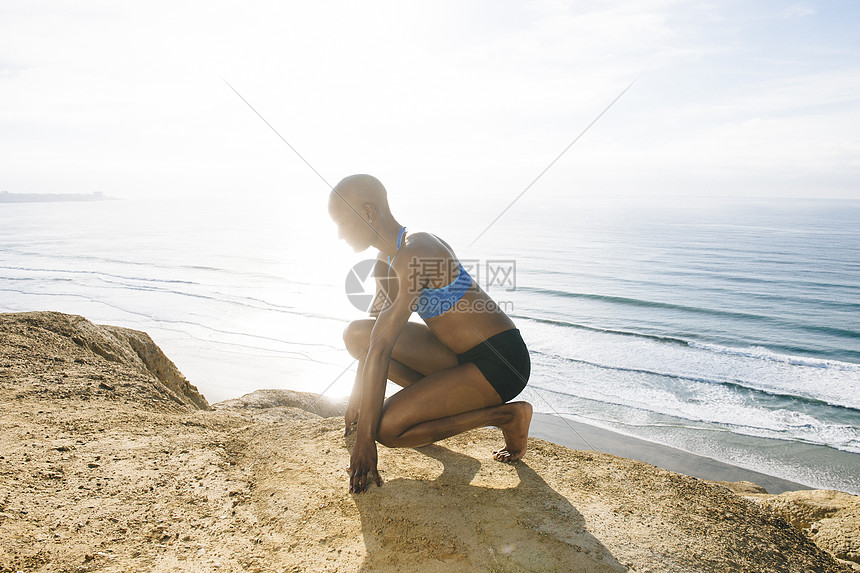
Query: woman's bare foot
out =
(516, 433)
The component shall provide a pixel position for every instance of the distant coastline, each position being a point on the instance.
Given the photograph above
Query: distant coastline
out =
(6, 197)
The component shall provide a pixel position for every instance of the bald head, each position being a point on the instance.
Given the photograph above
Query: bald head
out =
(358, 190)
(359, 207)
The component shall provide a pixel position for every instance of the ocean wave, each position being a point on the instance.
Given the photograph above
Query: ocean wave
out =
(743, 385)
(783, 425)
(761, 353)
(749, 352)
(245, 275)
(714, 312)
(667, 339)
(163, 286)
(98, 274)
(156, 319)
(648, 303)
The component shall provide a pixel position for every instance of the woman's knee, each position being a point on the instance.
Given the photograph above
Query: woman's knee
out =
(392, 424)
(356, 336)
(387, 433)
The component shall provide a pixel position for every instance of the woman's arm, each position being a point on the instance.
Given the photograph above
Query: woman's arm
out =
(380, 274)
(380, 298)
(373, 379)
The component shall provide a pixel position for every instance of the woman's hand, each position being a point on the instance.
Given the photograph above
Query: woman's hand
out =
(351, 417)
(362, 462)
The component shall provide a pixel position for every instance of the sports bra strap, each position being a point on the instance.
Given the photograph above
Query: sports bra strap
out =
(399, 238)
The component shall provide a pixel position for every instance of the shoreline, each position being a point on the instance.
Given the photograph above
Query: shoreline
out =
(581, 436)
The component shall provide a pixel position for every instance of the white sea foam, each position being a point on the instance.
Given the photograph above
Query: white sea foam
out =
(761, 353)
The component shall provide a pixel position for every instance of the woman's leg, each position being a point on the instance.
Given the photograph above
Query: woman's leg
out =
(440, 398)
(416, 354)
(447, 403)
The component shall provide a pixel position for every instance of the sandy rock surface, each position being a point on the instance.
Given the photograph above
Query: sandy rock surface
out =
(109, 461)
(830, 518)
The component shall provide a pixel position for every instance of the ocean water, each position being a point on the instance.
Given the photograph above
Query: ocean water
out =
(729, 328)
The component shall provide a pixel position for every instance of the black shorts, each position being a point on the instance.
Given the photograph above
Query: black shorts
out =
(504, 361)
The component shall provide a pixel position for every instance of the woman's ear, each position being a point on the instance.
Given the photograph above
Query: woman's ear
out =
(369, 212)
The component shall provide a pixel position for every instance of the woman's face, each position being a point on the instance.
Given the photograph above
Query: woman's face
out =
(350, 227)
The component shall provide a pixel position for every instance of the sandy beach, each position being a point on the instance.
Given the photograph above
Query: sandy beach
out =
(110, 460)
(578, 436)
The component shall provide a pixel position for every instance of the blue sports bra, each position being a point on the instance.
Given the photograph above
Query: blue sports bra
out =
(436, 301)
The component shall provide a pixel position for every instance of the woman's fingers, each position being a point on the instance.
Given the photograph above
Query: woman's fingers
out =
(350, 421)
(350, 427)
(363, 461)
(358, 481)
(353, 481)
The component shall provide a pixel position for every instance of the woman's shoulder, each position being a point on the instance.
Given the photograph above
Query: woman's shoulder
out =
(425, 244)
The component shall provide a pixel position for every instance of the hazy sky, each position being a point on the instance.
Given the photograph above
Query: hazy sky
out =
(438, 99)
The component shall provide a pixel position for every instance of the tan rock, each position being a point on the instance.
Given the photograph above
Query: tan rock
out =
(268, 399)
(830, 518)
(140, 478)
(66, 344)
